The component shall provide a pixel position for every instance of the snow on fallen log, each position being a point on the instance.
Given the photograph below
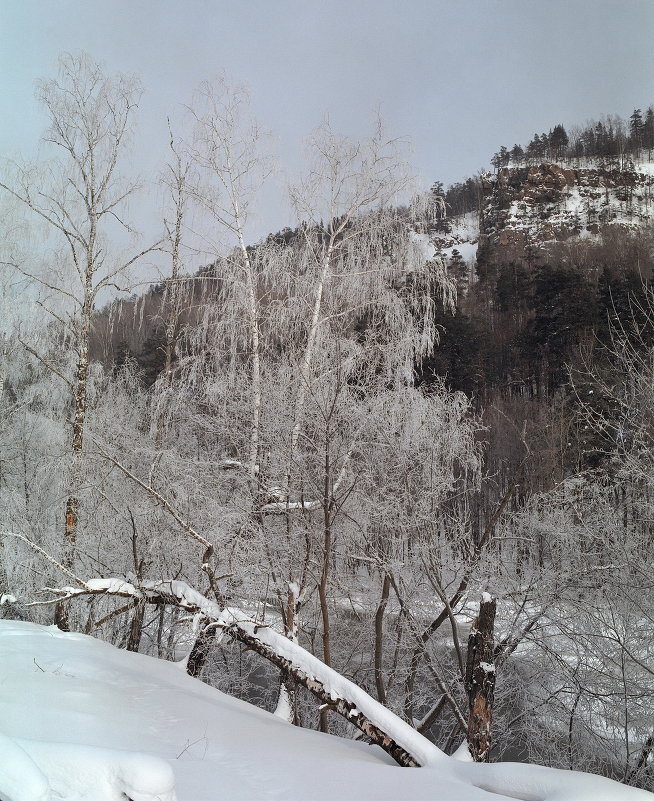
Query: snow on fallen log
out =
(407, 746)
(178, 593)
(383, 727)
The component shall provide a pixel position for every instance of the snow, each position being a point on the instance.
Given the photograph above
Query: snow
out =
(113, 585)
(468, 251)
(423, 247)
(462, 237)
(84, 721)
(20, 776)
(462, 753)
(279, 507)
(465, 227)
(111, 774)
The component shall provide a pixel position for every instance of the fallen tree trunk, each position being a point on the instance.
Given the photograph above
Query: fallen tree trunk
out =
(343, 706)
(385, 729)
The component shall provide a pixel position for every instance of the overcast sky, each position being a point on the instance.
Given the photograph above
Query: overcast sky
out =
(458, 77)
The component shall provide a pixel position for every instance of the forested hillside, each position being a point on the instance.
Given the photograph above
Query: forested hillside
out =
(359, 439)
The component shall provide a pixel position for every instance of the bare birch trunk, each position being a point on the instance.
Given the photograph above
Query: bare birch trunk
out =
(171, 302)
(287, 702)
(309, 348)
(71, 518)
(255, 345)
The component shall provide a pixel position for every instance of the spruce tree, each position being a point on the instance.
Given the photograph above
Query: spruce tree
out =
(517, 154)
(648, 131)
(558, 141)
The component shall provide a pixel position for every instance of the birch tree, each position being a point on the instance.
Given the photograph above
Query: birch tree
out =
(227, 150)
(177, 181)
(81, 199)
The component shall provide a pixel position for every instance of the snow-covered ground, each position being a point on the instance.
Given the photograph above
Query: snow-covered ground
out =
(80, 719)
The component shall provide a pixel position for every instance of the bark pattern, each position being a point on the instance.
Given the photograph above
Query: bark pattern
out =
(480, 681)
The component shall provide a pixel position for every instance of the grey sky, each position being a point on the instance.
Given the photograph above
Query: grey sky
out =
(458, 77)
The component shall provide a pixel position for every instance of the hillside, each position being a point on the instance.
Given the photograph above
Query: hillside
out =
(556, 258)
(526, 209)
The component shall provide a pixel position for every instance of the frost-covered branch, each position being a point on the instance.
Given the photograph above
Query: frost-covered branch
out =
(158, 497)
(45, 555)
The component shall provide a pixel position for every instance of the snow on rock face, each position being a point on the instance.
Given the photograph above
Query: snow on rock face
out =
(533, 206)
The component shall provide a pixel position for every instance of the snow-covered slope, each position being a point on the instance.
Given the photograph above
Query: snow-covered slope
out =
(80, 719)
(463, 236)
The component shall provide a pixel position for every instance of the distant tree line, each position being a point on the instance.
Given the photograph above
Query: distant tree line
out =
(610, 137)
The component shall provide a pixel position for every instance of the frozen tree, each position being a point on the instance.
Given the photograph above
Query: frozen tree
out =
(227, 151)
(177, 180)
(80, 197)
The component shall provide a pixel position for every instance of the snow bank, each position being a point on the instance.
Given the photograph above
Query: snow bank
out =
(83, 720)
(21, 779)
(81, 772)
(537, 783)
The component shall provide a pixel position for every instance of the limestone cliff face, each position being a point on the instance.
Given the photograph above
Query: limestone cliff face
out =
(526, 209)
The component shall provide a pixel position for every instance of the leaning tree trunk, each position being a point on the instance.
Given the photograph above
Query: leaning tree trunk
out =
(288, 706)
(480, 680)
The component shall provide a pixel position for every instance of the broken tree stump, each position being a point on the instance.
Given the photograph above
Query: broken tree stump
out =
(480, 680)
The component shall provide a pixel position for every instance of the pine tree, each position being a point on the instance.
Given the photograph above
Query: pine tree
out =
(601, 140)
(459, 271)
(544, 145)
(648, 131)
(533, 148)
(558, 141)
(636, 127)
(517, 154)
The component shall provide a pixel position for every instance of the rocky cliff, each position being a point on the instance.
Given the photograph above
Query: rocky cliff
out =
(526, 209)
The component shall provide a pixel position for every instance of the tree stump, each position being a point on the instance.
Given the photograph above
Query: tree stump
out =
(480, 680)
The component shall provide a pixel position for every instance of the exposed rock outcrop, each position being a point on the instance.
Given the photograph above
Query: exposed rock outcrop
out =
(527, 208)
